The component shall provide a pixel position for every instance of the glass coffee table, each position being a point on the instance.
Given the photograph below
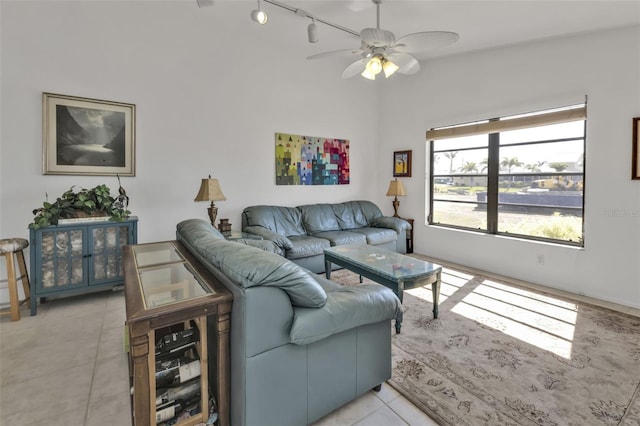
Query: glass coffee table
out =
(393, 270)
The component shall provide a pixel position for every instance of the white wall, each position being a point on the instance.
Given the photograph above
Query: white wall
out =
(211, 88)
(606, 67)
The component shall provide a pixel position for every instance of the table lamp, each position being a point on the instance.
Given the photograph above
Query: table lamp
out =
(210, 191)
(395, 189)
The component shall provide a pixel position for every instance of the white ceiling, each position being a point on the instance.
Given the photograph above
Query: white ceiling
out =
(481, 24)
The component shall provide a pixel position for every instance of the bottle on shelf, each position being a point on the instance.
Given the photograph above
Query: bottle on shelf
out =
(176, 344)
(183, 392)
(173, 372)
(171, 409)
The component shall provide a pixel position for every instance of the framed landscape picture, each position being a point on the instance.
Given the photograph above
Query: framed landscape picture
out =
(635, 166)
(83, 136)
(402, 164)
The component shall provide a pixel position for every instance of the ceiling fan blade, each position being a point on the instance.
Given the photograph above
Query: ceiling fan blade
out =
(336, 53)
(355, 68)
(427, 40)
(407, 64)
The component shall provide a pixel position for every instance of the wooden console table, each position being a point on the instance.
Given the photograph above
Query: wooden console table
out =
(167, 289)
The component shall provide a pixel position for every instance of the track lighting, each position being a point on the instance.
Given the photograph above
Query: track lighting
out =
(260, 16)
(312, 31)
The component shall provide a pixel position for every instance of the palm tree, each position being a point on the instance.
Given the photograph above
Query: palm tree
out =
(469, 167)
(485, 164)
(558, 167)
(533, 168)
(451, 155)
(509, 163)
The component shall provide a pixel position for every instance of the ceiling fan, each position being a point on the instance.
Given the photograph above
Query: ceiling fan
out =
(380, 51)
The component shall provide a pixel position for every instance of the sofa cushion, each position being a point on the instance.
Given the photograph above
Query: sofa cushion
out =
(249, 266)
(369, 210)
(341, 238)
(350, 215)
(306, 246)
(377, 236)
(285, 221)
(318, 218)
(346, 308)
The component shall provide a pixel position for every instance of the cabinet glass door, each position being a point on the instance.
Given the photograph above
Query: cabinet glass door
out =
(106, 243)
(61, 253)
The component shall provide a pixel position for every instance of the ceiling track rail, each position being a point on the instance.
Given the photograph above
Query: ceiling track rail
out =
(305, 14)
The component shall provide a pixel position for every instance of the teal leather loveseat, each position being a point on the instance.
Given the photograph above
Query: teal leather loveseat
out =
(302, 233)
(301, 345)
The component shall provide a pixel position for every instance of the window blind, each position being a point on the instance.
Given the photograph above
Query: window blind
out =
(545, 119)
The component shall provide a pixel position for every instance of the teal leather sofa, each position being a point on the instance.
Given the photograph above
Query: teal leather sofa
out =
(302, 233)
(301, 345)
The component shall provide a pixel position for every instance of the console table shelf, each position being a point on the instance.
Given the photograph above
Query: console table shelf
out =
(168, 291)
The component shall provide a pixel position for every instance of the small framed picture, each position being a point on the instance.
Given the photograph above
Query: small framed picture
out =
(402, 164)
(635, 166)
(83, 136)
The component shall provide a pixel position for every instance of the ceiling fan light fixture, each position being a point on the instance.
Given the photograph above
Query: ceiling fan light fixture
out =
(367, 74)
(374, 66)
(389, 68)
(260, 16)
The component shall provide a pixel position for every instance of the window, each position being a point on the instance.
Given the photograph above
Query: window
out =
(521, 175)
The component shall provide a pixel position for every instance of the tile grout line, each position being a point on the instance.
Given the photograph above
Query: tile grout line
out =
(95, 363)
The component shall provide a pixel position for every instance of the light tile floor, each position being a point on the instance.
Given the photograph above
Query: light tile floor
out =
(66, 366)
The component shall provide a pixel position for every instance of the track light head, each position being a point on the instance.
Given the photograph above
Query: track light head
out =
(312, 32)
(260, 16)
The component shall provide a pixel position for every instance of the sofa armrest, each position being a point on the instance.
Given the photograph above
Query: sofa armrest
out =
(266, 245)
(279, 240)
(346, 308)
(395, 223)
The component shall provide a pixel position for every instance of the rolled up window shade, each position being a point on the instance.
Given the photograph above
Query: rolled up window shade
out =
(535, 120)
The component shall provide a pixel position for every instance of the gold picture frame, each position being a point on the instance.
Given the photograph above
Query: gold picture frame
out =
(84, 136)
(402, 163)
(635, 157)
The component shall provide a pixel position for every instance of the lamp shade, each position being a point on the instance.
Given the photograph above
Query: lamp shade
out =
(396, 188)
(210, 191)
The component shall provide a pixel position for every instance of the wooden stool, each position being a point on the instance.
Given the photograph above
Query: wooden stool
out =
(8, 248)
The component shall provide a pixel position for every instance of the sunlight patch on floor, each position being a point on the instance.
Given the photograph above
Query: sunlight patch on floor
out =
(548, 324)
(452, 281)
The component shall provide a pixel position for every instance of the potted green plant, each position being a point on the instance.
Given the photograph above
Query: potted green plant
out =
(94, 202)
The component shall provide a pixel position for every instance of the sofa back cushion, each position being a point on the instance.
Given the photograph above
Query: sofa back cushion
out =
(286, 221)
(350, 215)
(369, 210)
(249, 266)
(318, 218)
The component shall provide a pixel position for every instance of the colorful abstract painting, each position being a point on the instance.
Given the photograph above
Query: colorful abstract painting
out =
(310, 160)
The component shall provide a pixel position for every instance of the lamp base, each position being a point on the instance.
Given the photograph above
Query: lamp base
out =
(396, 204)
(213, 213)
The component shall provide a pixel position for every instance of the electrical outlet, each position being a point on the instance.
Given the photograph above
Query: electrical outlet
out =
(540, 258)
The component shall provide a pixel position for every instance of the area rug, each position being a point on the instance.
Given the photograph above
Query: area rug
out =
(500, 354)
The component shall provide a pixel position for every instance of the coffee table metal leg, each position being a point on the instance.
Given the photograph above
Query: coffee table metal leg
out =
(327, 269)
(399, 292)
(435, 289)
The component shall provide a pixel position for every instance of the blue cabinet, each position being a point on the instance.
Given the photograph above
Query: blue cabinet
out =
(77, 258)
